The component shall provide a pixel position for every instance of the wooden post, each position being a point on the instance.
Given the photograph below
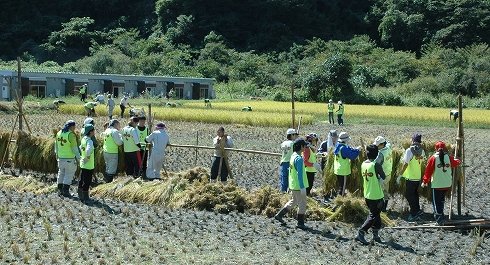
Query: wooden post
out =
(460, 140)
(19, 93)
(292, 107)
(197, 143)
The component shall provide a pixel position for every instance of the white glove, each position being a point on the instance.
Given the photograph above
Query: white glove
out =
(84, 160)
(303, 192)
(423, 185)
(398, 180)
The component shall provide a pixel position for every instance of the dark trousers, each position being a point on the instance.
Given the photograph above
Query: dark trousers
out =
(412, 196)
(122, 110)
(132, 162)
(340, 120)
(311, 179)
(374, 218)
(331, 119)
(144, 159)
(85, 179)
(341, 183)
(215, 169)
(438, 199)
(83, 97)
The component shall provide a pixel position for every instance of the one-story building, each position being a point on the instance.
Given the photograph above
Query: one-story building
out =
(42, 84)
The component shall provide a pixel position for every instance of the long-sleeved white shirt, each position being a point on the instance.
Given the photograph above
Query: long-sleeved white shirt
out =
(217, 149)
(159, 140)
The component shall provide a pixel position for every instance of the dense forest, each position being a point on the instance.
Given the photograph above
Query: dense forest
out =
(397, 52)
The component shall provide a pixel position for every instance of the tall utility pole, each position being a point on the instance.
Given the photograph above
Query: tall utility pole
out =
(19, 93)
(292, 107)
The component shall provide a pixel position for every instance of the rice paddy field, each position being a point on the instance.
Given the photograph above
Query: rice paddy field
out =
(183, 219)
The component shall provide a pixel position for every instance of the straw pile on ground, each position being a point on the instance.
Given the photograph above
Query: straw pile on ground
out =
(4, 140)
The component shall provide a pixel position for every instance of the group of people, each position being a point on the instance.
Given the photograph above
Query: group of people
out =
(299, 164)
(100, 100)
(144, 152)
(339, 111)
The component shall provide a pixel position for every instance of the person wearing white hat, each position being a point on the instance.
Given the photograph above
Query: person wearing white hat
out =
(159, 140)
(287, 151)
(330, 107)
(123, 105)
(112, 140)
(110, 106)
(340, 113)
(343, 155)
(385, 159)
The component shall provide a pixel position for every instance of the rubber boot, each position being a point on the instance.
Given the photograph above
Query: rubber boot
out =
(279, 216)
(108, 177)
(376, 236)
(301, 222)
(385, 206)
(80, 195)
(360, 237)
(66, 191)
(60, 189)
(87, 199)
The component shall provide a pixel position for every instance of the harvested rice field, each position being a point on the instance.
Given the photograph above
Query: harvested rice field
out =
(42, 228)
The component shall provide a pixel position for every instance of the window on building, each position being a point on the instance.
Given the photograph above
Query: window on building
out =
(37, 89)
(204, 91)
(179, 91)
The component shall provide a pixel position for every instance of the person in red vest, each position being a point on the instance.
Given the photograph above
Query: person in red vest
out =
(438, 173)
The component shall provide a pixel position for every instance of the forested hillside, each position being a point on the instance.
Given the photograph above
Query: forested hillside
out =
(403, 52)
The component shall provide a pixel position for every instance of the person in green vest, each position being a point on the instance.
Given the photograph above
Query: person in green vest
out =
(112, 140)
(87, 164)
(340, 113)
(330, 107)
(143, 132)
(311, 164)
(287, 151)
(83, 92)
(131, 144)
(438, 173)
(372, 178)
(90, 108)
(385, 158)
(86, 122)
(67, 155)
(298, 183)
(343, 154)
(411, 171)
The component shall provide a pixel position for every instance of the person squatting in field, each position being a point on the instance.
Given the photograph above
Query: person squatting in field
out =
(343, 155)
(411, 171)
(159, 140)
(311, 164)
(385, 159)
(372, 177)
(298, 183)
(112, 141)
(132, 147)
(87, 163)
(287, 151)
(220, 165)
(438, 173)
(67, 155)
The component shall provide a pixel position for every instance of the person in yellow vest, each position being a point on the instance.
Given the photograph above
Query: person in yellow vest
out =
(132, 156)
(330, 107)
(87, 164)
(343, 154)
(340, 113)
(83, 92)
(311, 164)
(90, 108)
(143, 132)
(411, 171)
(287, 151)
(67, 154)
(298, 183)
(112, 141)
(372, 178)
(439, 174)
(385, 159)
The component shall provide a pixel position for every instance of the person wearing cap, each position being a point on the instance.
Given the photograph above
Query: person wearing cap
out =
(298, 183)
(110, 106)
(132, 157)
(67, 154)
(340, 113)
(330, 107)
(412, 172)
(124, 104)
(309, 157)
(327, 146)
(221, 141)
(343, 155)
(89, 121)
(112, 140)
(385, 159)
(438, 173)
(87, 163)
(159, 140)
(143, 132)
(90, 108)
(83, 92)
(287, 151)
(372, 178)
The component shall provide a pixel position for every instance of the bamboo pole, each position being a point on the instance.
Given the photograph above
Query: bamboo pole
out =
(197, 143)
(292, 107)
(19, 94)
(227, 149)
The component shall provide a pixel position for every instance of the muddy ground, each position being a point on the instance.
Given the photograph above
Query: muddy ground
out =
(140, 234)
